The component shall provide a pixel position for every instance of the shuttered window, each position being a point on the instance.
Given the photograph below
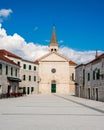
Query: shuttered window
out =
(0, 69)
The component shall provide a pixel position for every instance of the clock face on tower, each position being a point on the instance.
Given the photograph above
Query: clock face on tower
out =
(53, 70)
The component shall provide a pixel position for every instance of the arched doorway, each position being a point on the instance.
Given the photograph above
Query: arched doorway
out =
(53, 86)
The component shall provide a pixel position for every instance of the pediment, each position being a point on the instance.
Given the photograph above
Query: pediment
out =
(53, 57)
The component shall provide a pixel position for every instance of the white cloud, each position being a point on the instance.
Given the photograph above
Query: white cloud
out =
(19, 46)
(32, 51)
(4, 13)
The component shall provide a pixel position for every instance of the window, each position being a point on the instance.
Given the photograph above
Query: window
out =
(6, 70)
(11, 71)
(53, 70)
(88, 76)
(34, 78)
(93, 75)
(98, 74)
(18, 63)
(24, 66)
(83, 77)
(24, 77)
(0, 89)
(29, 67)
(32, 89)
(34, 67)
(0, 69)
(24, 90)
(29, 78)
(51, 50)
(102, 76)
(16, 72)
(72, 76)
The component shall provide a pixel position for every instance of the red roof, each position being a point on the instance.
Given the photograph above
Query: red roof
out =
(72, 63)
(36, 62)
(97, 58)
(7, 53)
(2, 57)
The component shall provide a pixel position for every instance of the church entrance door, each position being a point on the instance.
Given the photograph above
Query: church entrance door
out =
(53, 88)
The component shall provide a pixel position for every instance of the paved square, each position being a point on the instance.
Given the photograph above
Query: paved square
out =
(51, 112)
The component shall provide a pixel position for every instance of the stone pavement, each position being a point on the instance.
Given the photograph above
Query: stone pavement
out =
(51, 112)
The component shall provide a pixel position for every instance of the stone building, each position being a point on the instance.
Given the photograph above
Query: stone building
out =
(28, 72)
(29, 76)
(56, 72)
(90, 79)
(9, 76)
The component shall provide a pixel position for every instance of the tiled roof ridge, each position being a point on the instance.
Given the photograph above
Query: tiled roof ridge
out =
(72, 63)
(2, 57)
(5, 52)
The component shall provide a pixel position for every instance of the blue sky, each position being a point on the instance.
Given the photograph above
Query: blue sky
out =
(79, 23)
(26, 27)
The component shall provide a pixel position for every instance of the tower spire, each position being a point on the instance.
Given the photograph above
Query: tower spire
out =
(53, 42)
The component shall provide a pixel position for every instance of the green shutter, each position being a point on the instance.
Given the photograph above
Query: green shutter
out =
(24, 66)
(34, 78)
(1, 66)
(6, 70)
(93, 75)
(34, 67)
(29, 67)
(29, 78)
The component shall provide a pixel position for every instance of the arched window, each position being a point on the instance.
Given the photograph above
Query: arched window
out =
(53, 81)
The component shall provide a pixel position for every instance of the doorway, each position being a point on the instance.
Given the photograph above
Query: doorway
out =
(53, 86)
(96, 94)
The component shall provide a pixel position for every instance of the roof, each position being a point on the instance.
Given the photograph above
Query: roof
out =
(96, 59)
(80, 65)
(53, 41)
(36, 62)
(70, 61)
(28, 61)
(2, 57)
(7, 53)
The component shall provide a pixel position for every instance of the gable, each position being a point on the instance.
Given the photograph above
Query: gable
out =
(53, 57)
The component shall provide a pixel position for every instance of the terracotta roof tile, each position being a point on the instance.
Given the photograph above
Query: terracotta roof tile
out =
(5, 52)
(2, 57)
(36, 62)
(72, 63)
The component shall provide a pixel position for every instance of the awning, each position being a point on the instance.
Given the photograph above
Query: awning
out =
(14, 79)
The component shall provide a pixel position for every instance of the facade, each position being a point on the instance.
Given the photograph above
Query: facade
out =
(9, 76)
(90, 79)
(29, 76)
(56, 72)
(28, 72)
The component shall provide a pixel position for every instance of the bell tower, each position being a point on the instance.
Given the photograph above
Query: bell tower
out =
(53, 47)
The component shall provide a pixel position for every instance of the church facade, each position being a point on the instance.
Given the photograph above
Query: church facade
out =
(56, 72)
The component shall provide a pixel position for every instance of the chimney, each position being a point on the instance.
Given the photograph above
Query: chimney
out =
(96, 56)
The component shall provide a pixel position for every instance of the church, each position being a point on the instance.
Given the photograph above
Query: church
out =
(56, 72)
(51, 73)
